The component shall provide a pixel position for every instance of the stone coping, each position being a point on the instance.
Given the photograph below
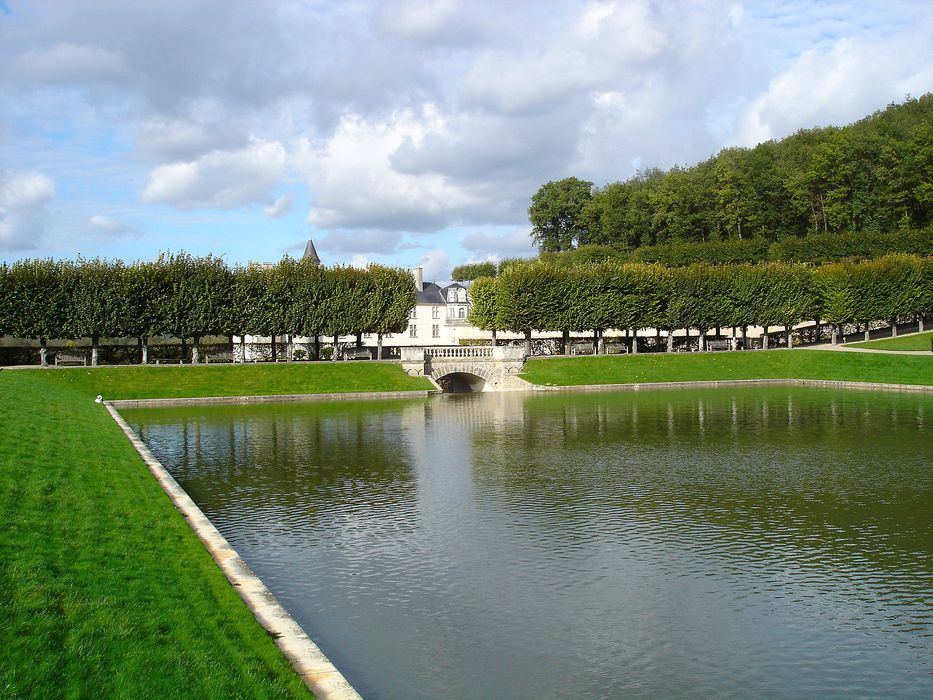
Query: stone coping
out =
(715, 383)
(271, 398)
(315, 669)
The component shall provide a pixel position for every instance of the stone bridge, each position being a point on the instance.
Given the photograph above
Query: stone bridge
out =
(463, 368)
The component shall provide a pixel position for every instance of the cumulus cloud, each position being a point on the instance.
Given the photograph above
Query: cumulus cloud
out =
(108, 228)
(162, 138)
(827, 86)
(70, 63)
(436, 265)
(355, 186)
(361, 242)
(23, 214)
(280, 207)
(219, 180)
(511, 243)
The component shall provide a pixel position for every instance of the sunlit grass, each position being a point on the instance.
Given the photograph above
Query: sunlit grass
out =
(104, 589)
(771, 364)
(917, 341)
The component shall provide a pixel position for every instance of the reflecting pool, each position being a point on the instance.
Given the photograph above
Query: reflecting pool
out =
(750, 542)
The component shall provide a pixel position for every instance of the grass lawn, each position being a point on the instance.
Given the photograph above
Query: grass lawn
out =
(174, 381)
(917, 341)
(771, 364)
(104, 589)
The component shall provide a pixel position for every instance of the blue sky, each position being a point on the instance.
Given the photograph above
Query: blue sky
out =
(411, 132)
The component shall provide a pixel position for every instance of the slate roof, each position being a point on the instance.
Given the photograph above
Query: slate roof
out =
(434, 294)
(311, 253)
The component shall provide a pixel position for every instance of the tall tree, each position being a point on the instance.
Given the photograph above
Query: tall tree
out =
(555, 214)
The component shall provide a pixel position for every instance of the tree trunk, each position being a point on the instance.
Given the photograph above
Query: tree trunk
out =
(634, 341)
(564, 341)
(745, 337)
(867, 331)
(920, 324)
(43, 352)
(527, 343)
(835, 336)
(602, 343)
(317, 347)
(196, 350)
(893, 327)
(494, 337)
(764, 339)
(378, 346)
(289, 348)
(184, 351)
(274, 352)
(95, 349)
(790, 337)
(819, 330)
(144, 350)
(595, 342)
(670, 340)
(243, 348)
(359, 339)
(702, 341)
(333, 356)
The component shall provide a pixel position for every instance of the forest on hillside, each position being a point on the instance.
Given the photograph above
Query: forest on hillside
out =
(873, 176)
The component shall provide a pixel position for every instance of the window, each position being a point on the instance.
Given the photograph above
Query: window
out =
(461, 312)
(413, 313)
(461, 295)
(451, 295)
(436, 331)
(413, 331)
(435, 312)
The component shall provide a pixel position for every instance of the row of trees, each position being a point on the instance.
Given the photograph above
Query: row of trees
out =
(873, 175)
(632, 296)
(191, 297)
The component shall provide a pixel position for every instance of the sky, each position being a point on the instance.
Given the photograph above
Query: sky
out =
(407, 132)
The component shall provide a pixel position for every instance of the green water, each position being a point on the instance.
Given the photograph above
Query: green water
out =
(766, 542)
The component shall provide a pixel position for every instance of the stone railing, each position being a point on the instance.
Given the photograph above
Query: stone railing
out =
(459, 352)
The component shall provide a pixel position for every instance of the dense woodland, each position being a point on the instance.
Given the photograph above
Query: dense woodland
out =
(873, 176)
(189, 297)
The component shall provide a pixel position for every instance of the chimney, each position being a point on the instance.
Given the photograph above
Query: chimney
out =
(418, 274)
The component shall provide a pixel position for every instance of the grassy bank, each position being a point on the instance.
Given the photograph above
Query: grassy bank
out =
(773, 364)
(916, 341)
(104, 589)
(174, 381)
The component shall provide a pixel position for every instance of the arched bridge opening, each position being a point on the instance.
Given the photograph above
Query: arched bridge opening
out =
(461, 383)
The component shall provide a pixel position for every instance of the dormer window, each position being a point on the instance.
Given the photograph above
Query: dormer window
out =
(451, 295)
(461, 295)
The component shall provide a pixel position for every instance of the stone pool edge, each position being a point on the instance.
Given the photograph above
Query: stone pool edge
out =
(718, 383)
(272, 398)
(308, 661)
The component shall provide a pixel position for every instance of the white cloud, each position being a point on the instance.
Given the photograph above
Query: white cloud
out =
(836, 85)
(107, 228)
(71, 63)
(23, 200)
(510, 243)
(280, 207)
(355, 186)
(436, 265)
(221, 179)
(182, 139)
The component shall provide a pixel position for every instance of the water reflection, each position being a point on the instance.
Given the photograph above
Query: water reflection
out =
(754, 542)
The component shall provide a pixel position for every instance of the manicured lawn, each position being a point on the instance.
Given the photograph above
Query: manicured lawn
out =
(104, 589)
(168, 381)
(771, 364)
(917, 341)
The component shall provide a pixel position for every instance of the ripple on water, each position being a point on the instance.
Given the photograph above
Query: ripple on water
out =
(714, 543)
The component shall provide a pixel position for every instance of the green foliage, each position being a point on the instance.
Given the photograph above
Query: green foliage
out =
(199, 301)
(872, 176)
(390, 298)
(555, 214)
(37, 299)
(484, 311)
(472, 271)
(729, 252)
(826, 247)
(100, 302)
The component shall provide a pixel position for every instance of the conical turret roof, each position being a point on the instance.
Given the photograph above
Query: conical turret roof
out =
(311, 253)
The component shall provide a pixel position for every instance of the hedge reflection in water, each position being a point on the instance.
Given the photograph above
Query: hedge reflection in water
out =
(751, 541)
